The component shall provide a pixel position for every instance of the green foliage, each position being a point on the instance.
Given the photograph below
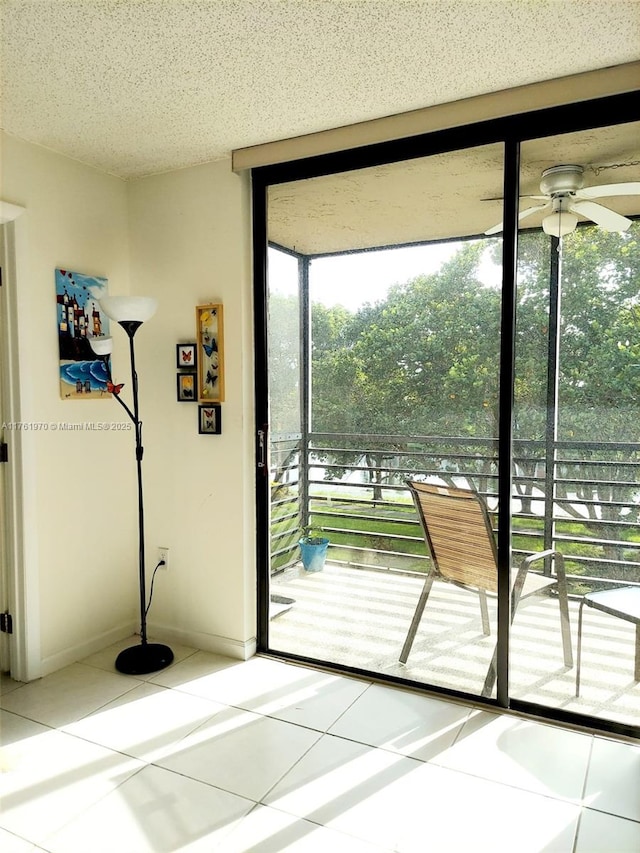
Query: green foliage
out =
(284, 363)
(425, 362)
(312, 535)
(600, 343)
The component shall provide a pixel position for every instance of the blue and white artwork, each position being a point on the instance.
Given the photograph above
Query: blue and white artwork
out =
(83, 376)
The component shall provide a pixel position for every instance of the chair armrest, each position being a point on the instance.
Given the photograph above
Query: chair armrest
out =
(542, 555)
(524, 567)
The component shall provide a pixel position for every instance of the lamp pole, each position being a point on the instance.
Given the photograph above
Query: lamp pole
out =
(129, 313)
(131, 329)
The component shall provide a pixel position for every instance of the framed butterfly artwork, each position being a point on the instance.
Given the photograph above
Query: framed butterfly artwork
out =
(210, 419)
(186, 390)
(210, 353)
(186, 356)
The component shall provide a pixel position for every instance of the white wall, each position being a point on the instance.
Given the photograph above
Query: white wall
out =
(190, 246)
(185, 238)
(79, 498)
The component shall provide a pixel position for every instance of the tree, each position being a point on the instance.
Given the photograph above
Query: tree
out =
(284, 363)
(395, 363)
(600, 340)
(600, 378)
(425, 362)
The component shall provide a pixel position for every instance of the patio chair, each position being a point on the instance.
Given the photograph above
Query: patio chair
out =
(460, 540)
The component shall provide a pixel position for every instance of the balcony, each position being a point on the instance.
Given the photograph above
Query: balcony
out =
(356, 612)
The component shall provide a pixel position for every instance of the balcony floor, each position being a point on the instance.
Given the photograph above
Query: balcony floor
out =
(360, 617)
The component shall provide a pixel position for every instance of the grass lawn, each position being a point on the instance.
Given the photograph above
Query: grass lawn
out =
(387, 535)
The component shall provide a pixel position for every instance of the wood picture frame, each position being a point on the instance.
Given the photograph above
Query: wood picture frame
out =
(210, 353)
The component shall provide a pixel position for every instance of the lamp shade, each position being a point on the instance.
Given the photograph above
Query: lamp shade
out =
(559, 224)
(125, 309)
(102, 345)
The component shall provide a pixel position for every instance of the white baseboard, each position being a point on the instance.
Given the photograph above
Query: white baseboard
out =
(236, 649)
(83, 650)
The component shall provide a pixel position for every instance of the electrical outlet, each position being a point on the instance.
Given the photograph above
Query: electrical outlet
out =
(163, 554)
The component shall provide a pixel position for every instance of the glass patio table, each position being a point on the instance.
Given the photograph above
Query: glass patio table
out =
(623, 602)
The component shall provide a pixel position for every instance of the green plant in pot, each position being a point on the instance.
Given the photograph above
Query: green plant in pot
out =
(313, 549)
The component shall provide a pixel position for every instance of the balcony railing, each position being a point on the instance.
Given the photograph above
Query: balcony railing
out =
(584, 501)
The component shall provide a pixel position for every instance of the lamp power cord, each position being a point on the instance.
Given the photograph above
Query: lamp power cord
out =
(153, 577)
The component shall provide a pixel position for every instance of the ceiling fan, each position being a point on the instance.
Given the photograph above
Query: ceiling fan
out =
(563, 191)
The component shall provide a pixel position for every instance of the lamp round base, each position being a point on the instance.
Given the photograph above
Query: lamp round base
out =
(147, 657)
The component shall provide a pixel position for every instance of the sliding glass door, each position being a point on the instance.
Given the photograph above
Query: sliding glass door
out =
(466, 319)
(384, 352)
(576, 415)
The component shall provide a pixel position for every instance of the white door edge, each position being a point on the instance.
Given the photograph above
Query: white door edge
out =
(21, 576)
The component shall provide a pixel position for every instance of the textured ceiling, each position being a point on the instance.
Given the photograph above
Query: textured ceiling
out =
(443, 196)
(135, 87)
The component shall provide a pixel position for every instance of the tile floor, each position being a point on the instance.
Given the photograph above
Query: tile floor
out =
(219, 755)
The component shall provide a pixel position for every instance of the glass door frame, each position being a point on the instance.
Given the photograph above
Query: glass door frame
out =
(511, 132)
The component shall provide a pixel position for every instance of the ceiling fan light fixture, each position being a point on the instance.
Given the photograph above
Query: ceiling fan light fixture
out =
(563, 190)
(559, 224)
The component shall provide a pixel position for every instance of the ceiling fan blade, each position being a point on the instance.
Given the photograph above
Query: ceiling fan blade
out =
(607, 219)
(501, 197)
(495, 229)
(627, 188)
(522, 215)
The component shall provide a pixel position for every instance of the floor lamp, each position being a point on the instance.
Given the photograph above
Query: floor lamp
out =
(131, 312)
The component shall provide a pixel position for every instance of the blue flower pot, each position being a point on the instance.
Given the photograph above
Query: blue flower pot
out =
(314, 555)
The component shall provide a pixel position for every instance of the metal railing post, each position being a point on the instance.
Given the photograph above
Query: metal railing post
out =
(305, 384)
(551, 425)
